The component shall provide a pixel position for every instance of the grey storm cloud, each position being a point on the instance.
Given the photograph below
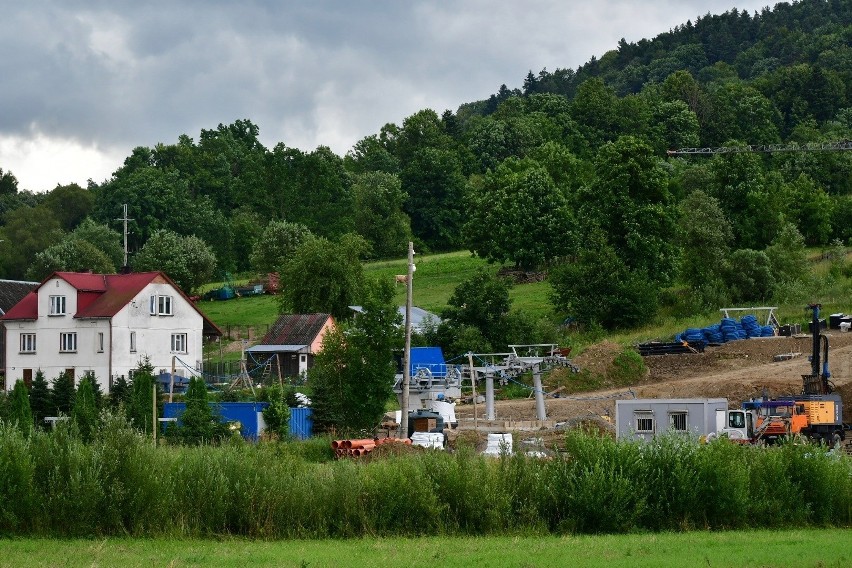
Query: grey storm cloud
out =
(118, 74)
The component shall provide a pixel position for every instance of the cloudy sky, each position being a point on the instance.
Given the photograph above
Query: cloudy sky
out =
(84, 82)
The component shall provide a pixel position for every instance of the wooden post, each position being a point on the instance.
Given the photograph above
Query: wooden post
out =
(172, 380)
(473, 389)
(406, 359)
(154, 411)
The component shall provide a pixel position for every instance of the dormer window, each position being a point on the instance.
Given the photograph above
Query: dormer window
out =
(57, 305)
(161, 305)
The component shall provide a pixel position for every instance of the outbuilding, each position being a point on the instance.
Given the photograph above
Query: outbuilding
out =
(645, 418)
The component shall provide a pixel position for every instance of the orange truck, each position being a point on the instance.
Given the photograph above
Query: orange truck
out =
(816, 413)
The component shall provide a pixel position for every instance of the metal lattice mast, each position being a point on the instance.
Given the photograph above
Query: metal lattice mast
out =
(125, 218)
(766, 148)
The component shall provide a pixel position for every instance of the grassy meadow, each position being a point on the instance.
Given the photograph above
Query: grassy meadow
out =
(437, 276)
(818, 547)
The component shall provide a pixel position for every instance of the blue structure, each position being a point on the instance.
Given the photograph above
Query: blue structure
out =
(249, 415)
(180, 384)
(431, 358)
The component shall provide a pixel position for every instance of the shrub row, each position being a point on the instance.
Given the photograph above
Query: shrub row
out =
(53, 484)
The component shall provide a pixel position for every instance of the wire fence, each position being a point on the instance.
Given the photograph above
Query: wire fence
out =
(248, 332)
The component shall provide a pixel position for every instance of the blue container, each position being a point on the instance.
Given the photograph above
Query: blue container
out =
(248, 414)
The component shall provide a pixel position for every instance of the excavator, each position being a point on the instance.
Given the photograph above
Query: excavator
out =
(816, 413)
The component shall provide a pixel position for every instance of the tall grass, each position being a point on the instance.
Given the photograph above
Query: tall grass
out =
(53, 484)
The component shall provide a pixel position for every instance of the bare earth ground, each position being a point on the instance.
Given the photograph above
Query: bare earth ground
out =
(737, 371)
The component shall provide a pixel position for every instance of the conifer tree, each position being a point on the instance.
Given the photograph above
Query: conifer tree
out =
(120, 393)
(62, 390)
(197, 421)
(21, 414)
(85, 411)
(41, 401)
(141, 398)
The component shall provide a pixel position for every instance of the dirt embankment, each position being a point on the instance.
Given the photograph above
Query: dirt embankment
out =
(737, 371)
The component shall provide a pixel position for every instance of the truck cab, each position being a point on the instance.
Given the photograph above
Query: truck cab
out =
(738, 425)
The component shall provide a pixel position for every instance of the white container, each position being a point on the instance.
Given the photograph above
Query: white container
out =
(445, 409)
(433, 440)
(844, 326)
(498, 444)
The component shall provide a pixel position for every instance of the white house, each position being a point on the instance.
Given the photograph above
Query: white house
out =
(103, 323)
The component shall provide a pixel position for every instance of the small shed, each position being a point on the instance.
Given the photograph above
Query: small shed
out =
(289, 347)
(645, 418)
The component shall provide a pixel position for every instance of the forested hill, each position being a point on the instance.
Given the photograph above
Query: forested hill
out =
(568, 174)
(779, 51)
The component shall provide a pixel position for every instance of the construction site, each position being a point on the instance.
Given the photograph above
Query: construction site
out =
(740, 372)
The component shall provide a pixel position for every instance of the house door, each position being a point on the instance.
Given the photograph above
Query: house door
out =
(28, 378)
(303, 363)
(69, 374)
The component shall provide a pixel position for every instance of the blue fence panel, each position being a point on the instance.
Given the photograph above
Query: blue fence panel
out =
(301, 423)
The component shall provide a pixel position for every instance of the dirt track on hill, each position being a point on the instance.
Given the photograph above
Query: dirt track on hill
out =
(737, 371)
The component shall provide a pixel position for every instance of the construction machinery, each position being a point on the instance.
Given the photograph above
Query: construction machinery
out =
(816, 413)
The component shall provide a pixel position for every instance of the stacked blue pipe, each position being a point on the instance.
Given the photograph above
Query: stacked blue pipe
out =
(729, 329)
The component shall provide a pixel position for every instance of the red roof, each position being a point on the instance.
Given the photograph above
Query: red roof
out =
(295, 329)
(100, 295)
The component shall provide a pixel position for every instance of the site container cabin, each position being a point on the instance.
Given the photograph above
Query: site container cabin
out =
(645, 418)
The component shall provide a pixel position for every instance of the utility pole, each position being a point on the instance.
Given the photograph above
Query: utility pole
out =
(406, 357)
(125, 219)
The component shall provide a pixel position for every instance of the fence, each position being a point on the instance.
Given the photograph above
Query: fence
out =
(248, 332)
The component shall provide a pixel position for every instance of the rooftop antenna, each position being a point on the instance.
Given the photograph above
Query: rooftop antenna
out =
(125, 218)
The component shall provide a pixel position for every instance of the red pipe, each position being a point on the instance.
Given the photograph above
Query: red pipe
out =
(358, 443)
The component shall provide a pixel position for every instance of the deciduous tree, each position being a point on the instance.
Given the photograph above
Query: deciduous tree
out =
(353, 375)
(276, 245)
(186, 260)
(323, 276)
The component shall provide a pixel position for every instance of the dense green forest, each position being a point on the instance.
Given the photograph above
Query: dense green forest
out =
(568, 174)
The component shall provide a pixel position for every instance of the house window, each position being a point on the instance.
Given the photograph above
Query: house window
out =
(28, 343)
(67, 342)
(57, 305)
(178, 343)
(677, 421)
(133, 342)
(644, 421)
(100, 342)
(161, 305)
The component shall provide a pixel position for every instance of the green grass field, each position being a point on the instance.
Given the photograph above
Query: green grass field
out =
(437, 276)
(799, 548)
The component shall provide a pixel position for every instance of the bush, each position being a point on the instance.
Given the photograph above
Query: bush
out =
(627, 368)
(53, 484)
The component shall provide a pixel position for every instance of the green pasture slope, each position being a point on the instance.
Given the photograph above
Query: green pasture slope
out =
(822, 548)
(435, 279)
(437, 276)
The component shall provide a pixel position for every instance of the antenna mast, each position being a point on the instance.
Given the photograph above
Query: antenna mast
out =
(125, 219)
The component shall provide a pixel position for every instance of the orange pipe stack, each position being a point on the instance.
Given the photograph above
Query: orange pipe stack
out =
(361, 447)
